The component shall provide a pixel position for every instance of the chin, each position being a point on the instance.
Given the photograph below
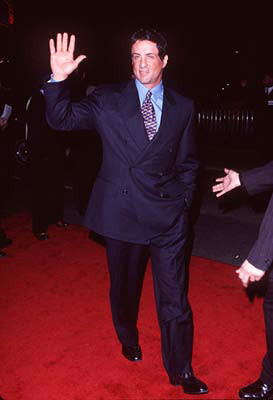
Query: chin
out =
(144, 79)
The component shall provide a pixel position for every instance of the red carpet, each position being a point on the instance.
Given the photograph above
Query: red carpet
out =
(56, 336)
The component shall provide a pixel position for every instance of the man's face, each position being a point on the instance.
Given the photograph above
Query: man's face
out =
(267, 80)
(147, 65)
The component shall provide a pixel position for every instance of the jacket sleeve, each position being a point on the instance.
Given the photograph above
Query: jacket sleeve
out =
(259, 179)
(261, 254)
(64, 115)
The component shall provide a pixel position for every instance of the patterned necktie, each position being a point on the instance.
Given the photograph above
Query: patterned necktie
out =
(148, 113)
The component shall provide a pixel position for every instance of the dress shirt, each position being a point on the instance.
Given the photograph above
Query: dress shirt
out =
(268, 91)
(157, 98)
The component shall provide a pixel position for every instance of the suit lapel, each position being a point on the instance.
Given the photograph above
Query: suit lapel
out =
(130, 110)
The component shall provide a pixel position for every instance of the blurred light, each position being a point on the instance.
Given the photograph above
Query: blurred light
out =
(236, 52)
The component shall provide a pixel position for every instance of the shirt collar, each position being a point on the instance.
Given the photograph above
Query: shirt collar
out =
(157, 91)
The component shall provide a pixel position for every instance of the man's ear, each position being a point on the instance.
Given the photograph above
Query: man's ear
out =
(165, 61)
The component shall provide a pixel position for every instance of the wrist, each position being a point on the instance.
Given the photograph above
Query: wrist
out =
(58, 77)
(237, 179)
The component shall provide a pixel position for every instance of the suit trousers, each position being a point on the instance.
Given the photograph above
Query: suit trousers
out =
(47, 189)
(127, 263)
(267, 368)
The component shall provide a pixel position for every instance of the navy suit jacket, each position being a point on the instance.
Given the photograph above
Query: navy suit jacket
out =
(255, 181)
(143, 187)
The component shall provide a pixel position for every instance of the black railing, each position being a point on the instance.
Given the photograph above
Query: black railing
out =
(215, 125)
(218, 125)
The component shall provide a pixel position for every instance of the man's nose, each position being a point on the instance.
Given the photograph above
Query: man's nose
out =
(143, 62)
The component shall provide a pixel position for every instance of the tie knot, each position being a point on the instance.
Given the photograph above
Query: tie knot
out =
(148, 95)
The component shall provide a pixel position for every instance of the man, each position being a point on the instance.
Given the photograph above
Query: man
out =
(47, 169)
(5, 158)
(142, 193)
(264, 117)
(258, 262)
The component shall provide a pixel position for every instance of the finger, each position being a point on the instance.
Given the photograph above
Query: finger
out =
(52, 46)
(79, 59)
(64, 42)
(219, 179)
(71, 47)
(244, 279)
(226, 170)
(216, 188)
(59, 42)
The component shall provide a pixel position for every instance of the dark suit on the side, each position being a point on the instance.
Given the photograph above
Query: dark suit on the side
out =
(261, 255)
(264, 124)
(47, 166)
(140, 200)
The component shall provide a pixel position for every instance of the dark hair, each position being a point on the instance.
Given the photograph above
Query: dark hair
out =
(153, 36)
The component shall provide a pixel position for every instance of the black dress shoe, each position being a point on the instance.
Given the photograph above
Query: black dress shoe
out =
(5, 242)
(41, 235)
(132, 353)
(2, 254)
(256, 390)
(62, 224)
(190, 383)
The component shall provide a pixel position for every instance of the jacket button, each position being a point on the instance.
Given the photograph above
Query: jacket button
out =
(160, 173)
(161, 194)
(125, 191)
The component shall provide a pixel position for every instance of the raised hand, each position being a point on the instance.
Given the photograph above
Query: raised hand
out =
(248, 273)
(227, 183)
(62, 56)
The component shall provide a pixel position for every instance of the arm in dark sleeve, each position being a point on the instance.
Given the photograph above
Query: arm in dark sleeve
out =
(64, 115)
(261, 254)
(187, 163)
(258, 180)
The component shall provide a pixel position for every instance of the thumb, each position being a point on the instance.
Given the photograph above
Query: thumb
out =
(226, 170)
(79, 59)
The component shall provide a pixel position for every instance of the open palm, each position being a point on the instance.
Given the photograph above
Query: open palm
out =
(227, 183)
(62, 56)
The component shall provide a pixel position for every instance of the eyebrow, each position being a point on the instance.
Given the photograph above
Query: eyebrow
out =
(146, 54)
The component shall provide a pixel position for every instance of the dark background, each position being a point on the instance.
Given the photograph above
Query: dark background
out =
(208, 48)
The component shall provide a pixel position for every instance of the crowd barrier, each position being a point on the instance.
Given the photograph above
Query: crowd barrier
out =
(217, 125)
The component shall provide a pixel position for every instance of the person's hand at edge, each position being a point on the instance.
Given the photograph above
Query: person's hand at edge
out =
(248, 273)
(227, 183)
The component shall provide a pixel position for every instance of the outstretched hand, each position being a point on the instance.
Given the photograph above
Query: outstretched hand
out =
(248, 273)
(227, 183)
(62, 56)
